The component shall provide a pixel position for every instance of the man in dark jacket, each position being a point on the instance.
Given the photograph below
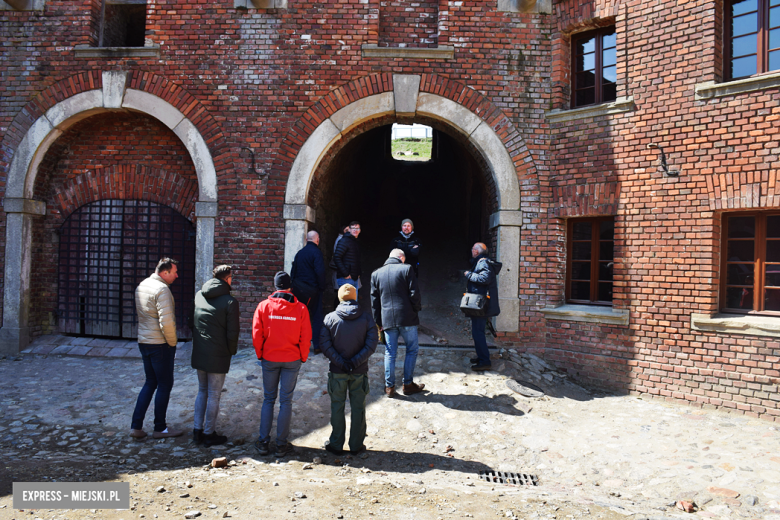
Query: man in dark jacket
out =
(308, 283)
(408, 242)
(348, 338)
(395, 299)
(482, 279)
(346, 258)
(214, 341)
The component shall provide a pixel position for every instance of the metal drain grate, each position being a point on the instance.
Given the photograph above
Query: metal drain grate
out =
(505, 477)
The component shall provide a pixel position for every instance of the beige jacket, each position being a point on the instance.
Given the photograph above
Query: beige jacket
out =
(156, 312)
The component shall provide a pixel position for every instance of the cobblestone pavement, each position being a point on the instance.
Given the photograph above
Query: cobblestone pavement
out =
(625, 454)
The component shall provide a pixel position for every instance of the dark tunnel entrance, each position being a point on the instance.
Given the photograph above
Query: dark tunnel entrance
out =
(446, 198)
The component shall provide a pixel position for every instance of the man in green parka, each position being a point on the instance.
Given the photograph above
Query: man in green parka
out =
(214, 342)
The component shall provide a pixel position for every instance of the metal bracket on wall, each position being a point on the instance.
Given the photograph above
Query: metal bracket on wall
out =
(252, 169)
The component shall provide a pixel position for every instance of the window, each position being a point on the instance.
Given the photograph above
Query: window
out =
(751, 263)
(123, 23)
(590, 260)
(752, 37)
(594, 66)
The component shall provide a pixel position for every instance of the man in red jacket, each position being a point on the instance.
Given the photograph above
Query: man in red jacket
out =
(281, 333)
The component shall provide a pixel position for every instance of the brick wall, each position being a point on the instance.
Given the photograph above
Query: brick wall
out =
(408, 23)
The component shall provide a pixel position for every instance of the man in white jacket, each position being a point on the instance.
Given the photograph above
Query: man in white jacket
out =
(157, 342)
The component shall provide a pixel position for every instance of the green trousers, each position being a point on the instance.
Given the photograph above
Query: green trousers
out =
(338, 387)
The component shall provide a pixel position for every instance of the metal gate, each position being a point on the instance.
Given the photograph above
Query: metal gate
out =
(106, 249)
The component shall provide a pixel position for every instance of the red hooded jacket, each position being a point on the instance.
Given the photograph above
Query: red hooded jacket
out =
(281, 330)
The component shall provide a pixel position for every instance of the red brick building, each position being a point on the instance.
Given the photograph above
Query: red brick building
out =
(620, 157)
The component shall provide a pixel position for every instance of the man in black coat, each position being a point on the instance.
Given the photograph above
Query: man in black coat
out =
(482, 279)
(346, 258)
(214, 342)
(409, 243)
(395, 299)
(348, 338)
(308, 283)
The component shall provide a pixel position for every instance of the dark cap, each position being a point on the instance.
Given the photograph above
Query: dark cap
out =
(282, 280)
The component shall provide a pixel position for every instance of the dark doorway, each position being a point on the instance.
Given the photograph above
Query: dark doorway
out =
(445, 197)
(106, 249)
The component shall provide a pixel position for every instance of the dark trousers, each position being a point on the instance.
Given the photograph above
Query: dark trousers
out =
(339, 385)
(480, 341)
(315, 317)
(158, 368)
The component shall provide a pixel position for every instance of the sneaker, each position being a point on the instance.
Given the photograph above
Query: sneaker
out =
(390, 391)
(413, 388)
(138, 435)
(332, 449)
(262, 447)
(284, 449)
(167, 433)
(480, 368)
(214, 439)
(197, 436)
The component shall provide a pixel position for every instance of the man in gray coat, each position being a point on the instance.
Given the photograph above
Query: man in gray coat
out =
(214, 342)
(157, 343)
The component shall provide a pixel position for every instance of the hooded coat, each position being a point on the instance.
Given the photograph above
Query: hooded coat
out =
(216, 327)
(348, 334)
(281, 330)
(483, 279)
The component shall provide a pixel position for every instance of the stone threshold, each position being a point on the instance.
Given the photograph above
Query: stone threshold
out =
(58, 345)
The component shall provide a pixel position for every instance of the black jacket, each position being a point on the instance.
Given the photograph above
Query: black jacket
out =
(482, 279)
(348, 334)
(216, 327)
(346, 257)
(308, 272)
(407, 245)
(395, 296)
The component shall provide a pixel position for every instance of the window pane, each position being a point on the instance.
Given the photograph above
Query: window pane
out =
(586, 62)
(739, 298)
(773, 225)
(742, 227)
(739, 274)
(744, 25)
(743, 6)
(773, 250)
(605, 271)
(585, 80)
(585, 45)
(606, 250)
(772, 300)
(774, 17)
(585, 97)
(608, 40)
(582, 231)
(580, 291)
(608, 92)
(609, 74)
(580, 270)
(740, 251)
(605, 292)
(608, 57)
(580, 251)
(607, 230)
(773, 276)
(744, 45)
(774, 2)
(774, 60)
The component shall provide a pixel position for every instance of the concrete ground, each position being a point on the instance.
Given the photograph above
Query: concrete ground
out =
(66, 417)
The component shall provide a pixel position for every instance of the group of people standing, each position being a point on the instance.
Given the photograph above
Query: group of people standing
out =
(287, 325)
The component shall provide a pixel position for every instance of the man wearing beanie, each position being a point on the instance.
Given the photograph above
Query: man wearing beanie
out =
(408, 242)
(348, 338)
(281, 334)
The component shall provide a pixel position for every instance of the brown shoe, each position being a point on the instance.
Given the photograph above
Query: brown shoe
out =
(413, 388)
(138, 435)
(167, 433)
(390, 391)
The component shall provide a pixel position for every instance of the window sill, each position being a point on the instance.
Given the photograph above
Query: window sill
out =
(710, 89)
(443, 52)
(619, 106)
(117, 52)
(587, 313)
(735, 324)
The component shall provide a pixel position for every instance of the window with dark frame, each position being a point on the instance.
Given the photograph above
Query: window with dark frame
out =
(751, 263)
(752, 37)
(590, 260)
(594, 67)
(123, 23)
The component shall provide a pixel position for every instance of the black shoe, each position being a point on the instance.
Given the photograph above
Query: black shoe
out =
(214, 439)
(282, 450)
(262, 447)
(359, 450)
(474, 360)
(197, 436)
(333, 449)
(481, 368)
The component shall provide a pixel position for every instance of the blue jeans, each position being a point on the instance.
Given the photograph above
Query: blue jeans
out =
(282, 377)
(158, 369)
(344, 281)
(391, 349)
(480, 341)
(207, 401)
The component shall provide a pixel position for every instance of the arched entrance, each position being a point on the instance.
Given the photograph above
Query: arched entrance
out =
(405, 102)
(20, 207)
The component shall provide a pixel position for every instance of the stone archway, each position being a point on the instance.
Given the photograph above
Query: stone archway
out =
(405, 100)
(20, 207)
